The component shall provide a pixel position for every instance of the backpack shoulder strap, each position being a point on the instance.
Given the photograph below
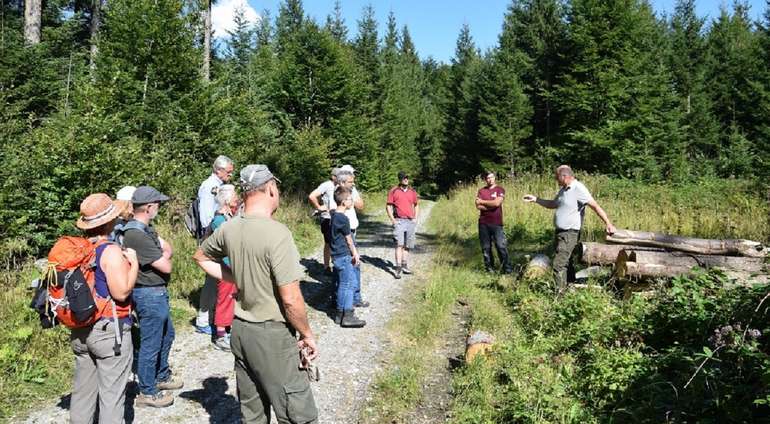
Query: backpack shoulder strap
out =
(134, 225)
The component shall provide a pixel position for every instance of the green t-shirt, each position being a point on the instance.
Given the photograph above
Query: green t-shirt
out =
(263, 257)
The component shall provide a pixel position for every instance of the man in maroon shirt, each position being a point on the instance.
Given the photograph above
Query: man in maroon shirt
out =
(402, 210)
(489, 201)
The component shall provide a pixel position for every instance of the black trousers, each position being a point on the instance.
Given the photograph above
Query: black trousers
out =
(489, 234)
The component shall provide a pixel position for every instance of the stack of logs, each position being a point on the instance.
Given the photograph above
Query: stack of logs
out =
(644, 255)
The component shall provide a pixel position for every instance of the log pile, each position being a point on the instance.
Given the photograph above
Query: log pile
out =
(640, 255)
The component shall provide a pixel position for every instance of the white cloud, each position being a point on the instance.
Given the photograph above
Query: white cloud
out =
(223, 12)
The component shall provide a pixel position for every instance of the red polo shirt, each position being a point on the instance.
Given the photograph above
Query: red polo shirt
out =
(403, 201)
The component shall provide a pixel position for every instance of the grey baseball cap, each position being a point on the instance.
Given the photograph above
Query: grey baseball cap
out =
(253, 176)
(146, 194)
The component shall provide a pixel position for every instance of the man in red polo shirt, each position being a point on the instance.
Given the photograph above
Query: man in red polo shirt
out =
(402, 210)
(489, 201)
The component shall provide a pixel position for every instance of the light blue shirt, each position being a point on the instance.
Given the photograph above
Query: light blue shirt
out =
(207, 201)
(571, 206)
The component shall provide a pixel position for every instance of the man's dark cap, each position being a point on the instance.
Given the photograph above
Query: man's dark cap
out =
(402, 175)
(146, 194)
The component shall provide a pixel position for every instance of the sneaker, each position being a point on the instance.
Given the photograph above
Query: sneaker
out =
(398, 272)
(405, 269)
(222, 343)
(170, 384)
(204, 330)
(361, 304)
(158, 400)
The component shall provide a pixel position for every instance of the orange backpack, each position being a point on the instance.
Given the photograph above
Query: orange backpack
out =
(70, 282)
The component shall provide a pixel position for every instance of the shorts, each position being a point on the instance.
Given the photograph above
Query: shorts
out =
(326, 230)
(404, 232)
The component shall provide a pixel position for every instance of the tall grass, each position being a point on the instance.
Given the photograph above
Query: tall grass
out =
(709, 208)
(36, 364)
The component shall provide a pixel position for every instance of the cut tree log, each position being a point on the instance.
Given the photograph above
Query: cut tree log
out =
(605, 254)
(539, 266)
(641, 263)
(633, 270)
(733, 247)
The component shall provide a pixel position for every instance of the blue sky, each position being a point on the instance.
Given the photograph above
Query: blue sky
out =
(434, 24)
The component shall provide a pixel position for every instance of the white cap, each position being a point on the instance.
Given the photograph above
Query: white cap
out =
(347, 168)
(125, 193)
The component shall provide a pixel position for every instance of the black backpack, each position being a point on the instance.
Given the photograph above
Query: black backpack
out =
(192, 220)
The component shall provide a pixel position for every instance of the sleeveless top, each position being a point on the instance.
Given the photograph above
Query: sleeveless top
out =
(103, 290)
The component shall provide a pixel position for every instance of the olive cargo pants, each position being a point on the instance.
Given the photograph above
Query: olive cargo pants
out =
(563, 266)
(267, 373)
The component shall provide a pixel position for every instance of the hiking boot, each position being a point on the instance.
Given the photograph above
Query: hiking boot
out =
(338, 317)
(398, 272)
(350, 320)
(170, 384)
(158, 400)
(405, 269)
(222, 343)
(361, 304)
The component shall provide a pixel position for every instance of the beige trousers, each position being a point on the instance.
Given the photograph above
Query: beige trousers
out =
(99, 373)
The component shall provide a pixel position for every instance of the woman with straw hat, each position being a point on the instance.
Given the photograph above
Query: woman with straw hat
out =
(102, 367)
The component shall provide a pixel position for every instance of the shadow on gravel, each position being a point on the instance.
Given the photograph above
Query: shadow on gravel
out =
(315, 269)
(383, 264)
(221, 407)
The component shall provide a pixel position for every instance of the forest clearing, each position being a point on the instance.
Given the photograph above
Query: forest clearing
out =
(661, 108)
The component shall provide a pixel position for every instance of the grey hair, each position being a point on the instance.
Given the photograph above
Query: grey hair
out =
(564, 171)
(225, 193)
(221, 162)
(343, 177)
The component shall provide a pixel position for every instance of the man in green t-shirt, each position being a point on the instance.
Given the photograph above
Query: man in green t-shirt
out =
(270, 309)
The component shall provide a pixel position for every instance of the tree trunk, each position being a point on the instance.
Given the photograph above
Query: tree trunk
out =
(605, 254)
(689, 244)
(638, 263)
(96, 18)
(33, 10)
(206, 68)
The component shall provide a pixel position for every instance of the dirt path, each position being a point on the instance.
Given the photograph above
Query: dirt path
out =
(350, 358)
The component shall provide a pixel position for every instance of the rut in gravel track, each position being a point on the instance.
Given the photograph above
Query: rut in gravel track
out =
(349, 358)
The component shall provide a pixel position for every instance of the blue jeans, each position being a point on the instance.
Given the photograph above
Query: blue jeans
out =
(357, 269)
(357, 287)
(346, 285)
(156, 333)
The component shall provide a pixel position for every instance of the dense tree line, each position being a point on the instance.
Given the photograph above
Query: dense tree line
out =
(98, 94)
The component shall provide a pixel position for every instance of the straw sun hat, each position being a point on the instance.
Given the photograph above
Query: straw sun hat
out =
(95, 210)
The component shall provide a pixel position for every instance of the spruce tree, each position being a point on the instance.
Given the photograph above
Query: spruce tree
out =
(335, 24)
(535, 32)
(733, 65)
(462, 113)
(619, 112)
(687, 60)
(242, 39)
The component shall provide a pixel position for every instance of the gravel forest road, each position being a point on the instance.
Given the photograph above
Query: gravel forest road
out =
(349, 358)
